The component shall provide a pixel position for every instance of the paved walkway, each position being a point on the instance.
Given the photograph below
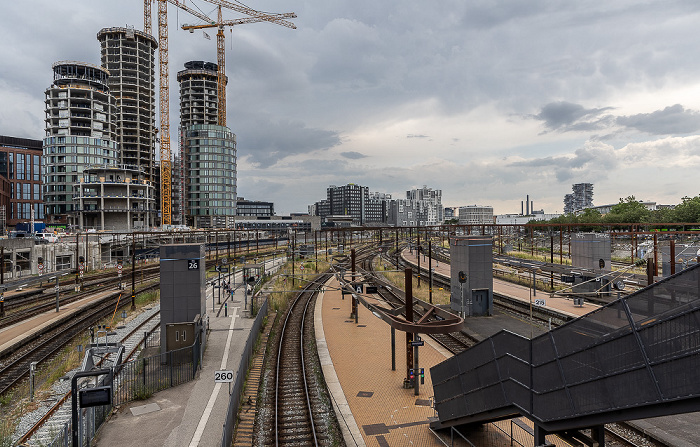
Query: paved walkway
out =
(192, 414)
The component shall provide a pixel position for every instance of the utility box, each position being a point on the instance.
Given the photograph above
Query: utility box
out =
(472, 255)
(182, 286)
(591, 251)
(686, 255)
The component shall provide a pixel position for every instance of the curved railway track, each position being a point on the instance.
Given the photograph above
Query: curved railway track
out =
(295, 400)
(131, 339)
(15, 366)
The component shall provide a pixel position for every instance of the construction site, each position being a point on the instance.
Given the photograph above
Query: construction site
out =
(103, 122)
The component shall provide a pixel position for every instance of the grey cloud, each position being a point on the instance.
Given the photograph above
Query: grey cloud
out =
(265, 142)
(587, 161)
(671, 120)
(353, 155)
(416, 136)
(565, 116)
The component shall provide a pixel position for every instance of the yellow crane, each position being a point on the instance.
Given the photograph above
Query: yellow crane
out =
(255, 16)
(164, 100)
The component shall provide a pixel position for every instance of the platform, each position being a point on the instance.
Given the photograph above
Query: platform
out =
(194, 413)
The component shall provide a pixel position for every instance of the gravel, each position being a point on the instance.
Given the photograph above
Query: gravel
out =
(63, 386)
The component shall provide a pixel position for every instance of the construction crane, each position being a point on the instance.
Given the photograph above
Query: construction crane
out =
(255, 16)
(164, 99)
(220, 44)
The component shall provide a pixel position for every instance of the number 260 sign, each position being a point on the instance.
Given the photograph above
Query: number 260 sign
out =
(223, 376)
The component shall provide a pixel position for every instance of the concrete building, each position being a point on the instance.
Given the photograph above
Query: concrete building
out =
(21, 169)
(115, 198)
(253, 208)
(129, 55)
(433, 201)
(409, 213)
(353, 200)
(211, 172)
(475, 215)
(198, 105)
(80, 131)
(581, 198)
(177, 179)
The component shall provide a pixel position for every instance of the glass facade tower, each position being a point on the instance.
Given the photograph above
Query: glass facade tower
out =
(211, 173)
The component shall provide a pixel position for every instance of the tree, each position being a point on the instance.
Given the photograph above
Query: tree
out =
(688, 210)
(628, 210)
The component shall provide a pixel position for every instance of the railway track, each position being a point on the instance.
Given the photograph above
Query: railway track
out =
(300, 410)
(43, 431)
(15, 366)
(294, 415)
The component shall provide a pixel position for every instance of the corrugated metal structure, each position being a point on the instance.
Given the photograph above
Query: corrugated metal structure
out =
(637, 357)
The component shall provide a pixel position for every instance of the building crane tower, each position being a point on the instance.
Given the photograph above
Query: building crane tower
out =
(255, 16)
(164, 102)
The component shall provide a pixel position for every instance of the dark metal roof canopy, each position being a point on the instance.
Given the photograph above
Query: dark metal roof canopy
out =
(444, 323)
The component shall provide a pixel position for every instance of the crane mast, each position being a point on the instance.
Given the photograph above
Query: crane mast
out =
(164, 104)
(221, 72)
(164, 98)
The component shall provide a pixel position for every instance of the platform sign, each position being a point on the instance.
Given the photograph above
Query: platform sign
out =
(225, 376)
(93, 397)
(417, 343)
(540, 302)
(193, 264)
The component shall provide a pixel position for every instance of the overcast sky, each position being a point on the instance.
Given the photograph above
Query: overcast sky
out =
(486, 100)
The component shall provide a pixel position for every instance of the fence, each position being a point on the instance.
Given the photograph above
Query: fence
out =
(134, 380)
(237, 389)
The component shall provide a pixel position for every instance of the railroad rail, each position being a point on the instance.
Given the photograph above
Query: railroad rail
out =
(295, 400)
(131, 338)
(45, 344)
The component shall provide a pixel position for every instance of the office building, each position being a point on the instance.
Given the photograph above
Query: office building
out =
(253, 208)
(475, 215)
(353, 200)
(21, 169)
(80, 131)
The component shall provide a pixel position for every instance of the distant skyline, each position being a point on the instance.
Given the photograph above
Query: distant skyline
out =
(486, 101)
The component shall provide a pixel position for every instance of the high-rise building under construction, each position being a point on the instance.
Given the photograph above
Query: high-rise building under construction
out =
(205, 183)
(129, 55)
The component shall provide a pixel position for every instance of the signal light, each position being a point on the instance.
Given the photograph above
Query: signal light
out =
(422, 376)
(410, 374)
(81, 259)
(40, 260)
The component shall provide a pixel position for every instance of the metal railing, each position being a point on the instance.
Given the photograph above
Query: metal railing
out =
(238, 386)
(640, 351)
(135, 380)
